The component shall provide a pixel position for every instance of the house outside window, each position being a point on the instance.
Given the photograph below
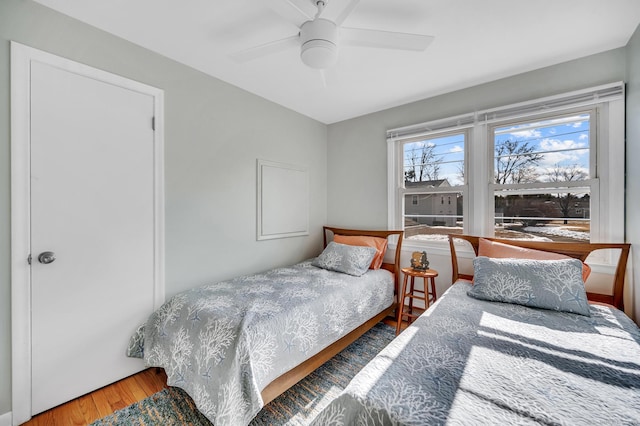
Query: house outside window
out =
(546, 169)
(433, 169)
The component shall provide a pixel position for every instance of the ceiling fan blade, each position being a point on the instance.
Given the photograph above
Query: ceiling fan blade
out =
(266, 49)
(384, 39)
(323, 78)
(346, 11)
(291, 11)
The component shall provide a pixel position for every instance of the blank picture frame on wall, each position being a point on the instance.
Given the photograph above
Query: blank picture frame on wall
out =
(282, 200)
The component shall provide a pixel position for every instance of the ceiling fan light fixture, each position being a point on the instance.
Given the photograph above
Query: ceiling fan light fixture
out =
(319, 43)
(319, 54)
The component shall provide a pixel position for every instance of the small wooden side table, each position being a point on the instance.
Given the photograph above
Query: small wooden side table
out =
(427, 295)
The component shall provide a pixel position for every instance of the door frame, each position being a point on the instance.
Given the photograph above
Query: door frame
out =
(21, 58)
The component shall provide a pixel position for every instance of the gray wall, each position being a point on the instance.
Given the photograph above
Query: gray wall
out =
(633, 155)
(214, 132)
(357, 148)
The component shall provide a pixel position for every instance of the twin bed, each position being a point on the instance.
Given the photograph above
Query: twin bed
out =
(234, 346)
(486, 353)
(503, 349)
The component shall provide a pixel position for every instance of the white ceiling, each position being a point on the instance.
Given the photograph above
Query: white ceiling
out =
(475, 42)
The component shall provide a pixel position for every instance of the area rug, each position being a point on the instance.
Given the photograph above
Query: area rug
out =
(297, 406)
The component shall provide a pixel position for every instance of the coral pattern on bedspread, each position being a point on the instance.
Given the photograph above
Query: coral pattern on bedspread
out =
(547, 284)
(468, 361)
(223, 343)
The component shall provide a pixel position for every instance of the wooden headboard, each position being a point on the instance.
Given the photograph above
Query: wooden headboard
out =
(393, 267)
(576, 250)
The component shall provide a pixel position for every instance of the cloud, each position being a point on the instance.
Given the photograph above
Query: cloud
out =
(556, 144)
(527, 134)
(562, 158)
(456, 149)
(564, 153)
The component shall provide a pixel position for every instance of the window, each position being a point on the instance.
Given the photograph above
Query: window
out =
(433, 171)
(546, 169)
(542, 171)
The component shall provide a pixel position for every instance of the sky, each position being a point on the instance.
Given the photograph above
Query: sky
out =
(563, 142)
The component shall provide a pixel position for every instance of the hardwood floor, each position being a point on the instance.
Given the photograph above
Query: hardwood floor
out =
(102, 402)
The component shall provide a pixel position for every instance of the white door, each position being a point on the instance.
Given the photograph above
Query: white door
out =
(92, 207)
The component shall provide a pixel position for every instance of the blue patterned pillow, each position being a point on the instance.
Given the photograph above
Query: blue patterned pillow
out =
(547, 284)
(352, 260)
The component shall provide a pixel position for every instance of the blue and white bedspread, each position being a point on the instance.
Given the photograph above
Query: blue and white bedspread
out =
(223, 343)
(472, 362)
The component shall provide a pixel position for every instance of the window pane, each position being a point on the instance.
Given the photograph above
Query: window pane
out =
(553, 150)
(434, 161)
(544, 217)
(434, 216)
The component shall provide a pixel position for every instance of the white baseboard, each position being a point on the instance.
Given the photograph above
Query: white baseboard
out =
(5, 419)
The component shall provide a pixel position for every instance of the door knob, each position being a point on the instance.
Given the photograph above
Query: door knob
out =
(46, 257)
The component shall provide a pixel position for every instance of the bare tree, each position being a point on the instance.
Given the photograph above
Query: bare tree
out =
(566, 174)
(424, 164)
(410, 174)
(461, 172)
(429, 164)
(515, 161)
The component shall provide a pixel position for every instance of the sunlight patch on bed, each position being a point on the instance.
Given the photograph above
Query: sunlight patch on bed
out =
(576, 345)
(517, 384)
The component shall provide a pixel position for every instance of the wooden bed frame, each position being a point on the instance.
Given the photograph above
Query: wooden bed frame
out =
(575, 250)
(293, 376)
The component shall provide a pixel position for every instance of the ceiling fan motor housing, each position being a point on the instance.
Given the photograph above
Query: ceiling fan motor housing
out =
(319, 43)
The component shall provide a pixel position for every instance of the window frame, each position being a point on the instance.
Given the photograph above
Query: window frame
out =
(540, 188)
(607, 143)
(396, 154)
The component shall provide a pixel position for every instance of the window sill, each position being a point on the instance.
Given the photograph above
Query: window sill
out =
(465, 252)
(435, 247)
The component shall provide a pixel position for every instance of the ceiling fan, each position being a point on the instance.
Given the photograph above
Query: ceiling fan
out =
(319, 38)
